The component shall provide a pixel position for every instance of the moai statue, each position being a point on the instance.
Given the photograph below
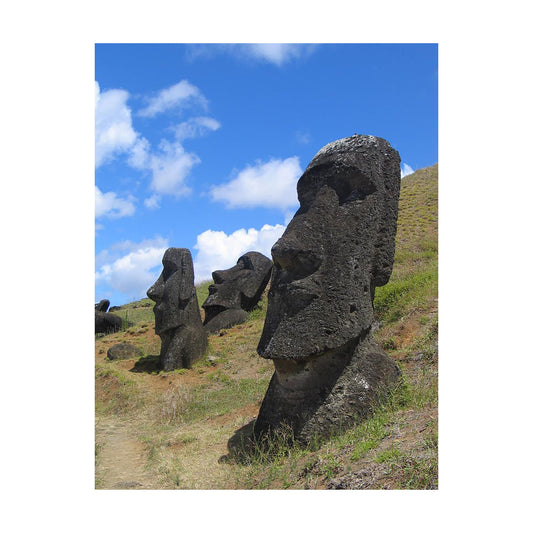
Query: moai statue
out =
(338, 247)
(177, 315)
(236, 291)
(106, 322)
(102, 306)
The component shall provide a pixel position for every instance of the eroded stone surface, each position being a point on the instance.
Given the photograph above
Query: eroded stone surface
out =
(123, 350)
(177, 315)
(106, 322)
(338, 247)
(236, 291)
(102, 305)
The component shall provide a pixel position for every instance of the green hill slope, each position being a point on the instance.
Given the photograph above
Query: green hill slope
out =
(171, 429)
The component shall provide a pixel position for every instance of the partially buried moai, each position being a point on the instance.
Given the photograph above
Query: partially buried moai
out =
(236, 291)
(338, 247)
(177, 315)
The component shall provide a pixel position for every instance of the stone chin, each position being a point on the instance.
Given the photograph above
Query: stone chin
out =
(294, 338)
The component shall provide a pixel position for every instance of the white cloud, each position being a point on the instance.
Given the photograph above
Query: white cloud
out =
(139, 154)
(110, 205)
(271, 184)
(135, 269)
(114, 132)
(152, 202)
(217, 250)
(278, 53)
(170, 167)
(179, 95)
(406, 170)
(195, 127)
(275, 53)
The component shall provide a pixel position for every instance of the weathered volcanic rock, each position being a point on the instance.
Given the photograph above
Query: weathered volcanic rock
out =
(177, 315)
(236, 291)
(123, 350)
(102, 305)
(106, 322)
(338, 247)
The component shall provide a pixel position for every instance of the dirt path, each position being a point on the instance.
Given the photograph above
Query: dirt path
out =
(121, 458)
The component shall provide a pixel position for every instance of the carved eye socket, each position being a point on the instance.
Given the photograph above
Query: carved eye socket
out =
(245, 263)
(169, 268)
(355, 186)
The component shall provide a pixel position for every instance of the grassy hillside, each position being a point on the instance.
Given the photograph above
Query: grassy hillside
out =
(171, 429)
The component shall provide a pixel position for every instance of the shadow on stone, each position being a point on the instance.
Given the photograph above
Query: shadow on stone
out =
(245, 448)
(148, 364)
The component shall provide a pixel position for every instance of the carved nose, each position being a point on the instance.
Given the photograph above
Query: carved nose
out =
(218, 276)
(155, 292)
(288, 254)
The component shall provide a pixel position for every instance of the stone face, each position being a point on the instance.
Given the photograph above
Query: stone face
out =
(102, 305)
(236, 291)
(106, 322)
(338, 247)
(123, 350)
(177, 315)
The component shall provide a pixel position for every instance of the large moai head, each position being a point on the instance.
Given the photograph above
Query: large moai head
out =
(338, 247)
(236, 291)
(177, 315)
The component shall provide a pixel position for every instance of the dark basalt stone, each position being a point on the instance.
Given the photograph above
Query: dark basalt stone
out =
(123, 350)
(338, 247)
(177, 315)
(102, 305)
(106, 322)
(236, 291)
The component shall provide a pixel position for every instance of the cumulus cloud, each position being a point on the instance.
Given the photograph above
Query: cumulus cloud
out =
(271, 184)
(109, 205)
(278, 53)
(195, 127)
(217, 250)
(406, 170)
(152, 202)
(169, 164)
(130, 268)
(275, 53)
(139, 155)
(170, 167)
(179, 95)
(114, 132)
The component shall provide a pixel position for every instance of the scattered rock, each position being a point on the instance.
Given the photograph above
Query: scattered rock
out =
(337, 248)
(124, 350)
(177, 315)
(363, 479)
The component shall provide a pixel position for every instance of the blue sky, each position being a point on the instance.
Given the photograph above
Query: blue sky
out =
(200, 146)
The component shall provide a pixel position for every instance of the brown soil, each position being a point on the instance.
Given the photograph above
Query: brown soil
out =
(121, 462)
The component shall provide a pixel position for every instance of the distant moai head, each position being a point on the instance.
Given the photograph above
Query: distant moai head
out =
(238, 287)
(176, 310)
(338, 247)
(102, 306)
(173, 290)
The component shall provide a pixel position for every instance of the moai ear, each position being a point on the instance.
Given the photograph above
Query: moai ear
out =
(187, 290)
(389, 192)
